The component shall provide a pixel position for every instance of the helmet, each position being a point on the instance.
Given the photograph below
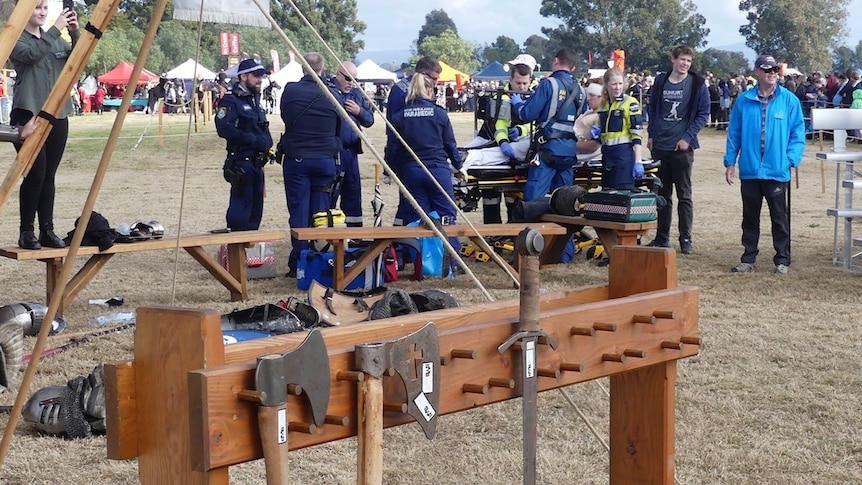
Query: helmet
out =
(147, 230)
(30, 316)
(74, 410)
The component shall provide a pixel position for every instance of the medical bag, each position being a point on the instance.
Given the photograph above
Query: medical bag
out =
(620, 206)
(327, 218)
(319, 266)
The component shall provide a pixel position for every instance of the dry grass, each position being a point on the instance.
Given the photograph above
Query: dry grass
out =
(772, 398)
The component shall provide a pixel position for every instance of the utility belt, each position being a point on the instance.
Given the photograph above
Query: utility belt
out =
(557, 135)
(259, 160)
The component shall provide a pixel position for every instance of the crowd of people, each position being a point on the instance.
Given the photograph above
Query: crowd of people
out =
(549, 123)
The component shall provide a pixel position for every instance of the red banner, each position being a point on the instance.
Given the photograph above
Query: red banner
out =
(234, 43)
(224, 43)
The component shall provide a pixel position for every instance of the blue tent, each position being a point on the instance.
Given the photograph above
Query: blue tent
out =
(492, 72)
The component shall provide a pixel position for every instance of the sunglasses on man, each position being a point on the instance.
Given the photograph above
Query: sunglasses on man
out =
(773, 69)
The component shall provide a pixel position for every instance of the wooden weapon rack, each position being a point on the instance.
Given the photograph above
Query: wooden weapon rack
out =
(176, 406)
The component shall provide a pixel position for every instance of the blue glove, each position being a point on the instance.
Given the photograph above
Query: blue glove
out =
(638, 170)
(516, 99)
(595, 131)
(507, 150)
(514, 133)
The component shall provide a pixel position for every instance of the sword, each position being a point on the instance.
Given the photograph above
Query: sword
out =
(529, 245)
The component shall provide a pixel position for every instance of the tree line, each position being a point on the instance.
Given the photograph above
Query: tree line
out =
(804, 33)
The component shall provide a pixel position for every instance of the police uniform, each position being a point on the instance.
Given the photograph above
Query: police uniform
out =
(350, 188)
(427, 130)
(558, 147)
(621, 123)
(311, 142)
(242, 122)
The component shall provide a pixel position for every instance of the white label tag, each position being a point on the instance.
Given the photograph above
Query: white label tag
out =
(530, 359)
(282, 426)
(425, 407)
(427, 377)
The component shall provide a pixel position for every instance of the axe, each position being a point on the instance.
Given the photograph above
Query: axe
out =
(415, 358)
(306, 367)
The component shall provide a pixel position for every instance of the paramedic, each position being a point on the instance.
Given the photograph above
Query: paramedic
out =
(555, 105)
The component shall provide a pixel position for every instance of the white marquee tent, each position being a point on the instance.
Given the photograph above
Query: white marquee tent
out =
(186, 70)
(369, 71)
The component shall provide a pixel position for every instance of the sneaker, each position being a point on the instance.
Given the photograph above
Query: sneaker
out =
(744, 268)
(781, 269)
(656, 243)
(685, 246)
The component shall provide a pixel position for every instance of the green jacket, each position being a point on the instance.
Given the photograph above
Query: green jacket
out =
(38, 62)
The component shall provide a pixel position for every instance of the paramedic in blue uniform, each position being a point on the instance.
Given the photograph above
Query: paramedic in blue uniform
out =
(354, 103)
(558, 149)
(394, 104)
(311, 142)
(242, 122)
(426, 128)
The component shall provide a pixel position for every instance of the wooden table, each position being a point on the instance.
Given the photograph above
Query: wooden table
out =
(235, 280)
(611, 233)
(383, 236)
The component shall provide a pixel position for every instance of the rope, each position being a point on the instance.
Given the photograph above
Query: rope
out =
(186, 160)
(482, 243)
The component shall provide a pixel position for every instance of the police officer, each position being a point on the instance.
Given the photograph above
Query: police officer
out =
(430, 67)
(354, 103)
(242, 122)
(555, 106)
(311, 142)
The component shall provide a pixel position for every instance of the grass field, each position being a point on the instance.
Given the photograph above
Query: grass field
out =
(773, 397)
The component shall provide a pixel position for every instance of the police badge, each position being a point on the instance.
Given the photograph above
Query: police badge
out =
(221, 113)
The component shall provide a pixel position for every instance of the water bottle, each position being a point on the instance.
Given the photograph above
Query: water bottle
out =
(115, 318)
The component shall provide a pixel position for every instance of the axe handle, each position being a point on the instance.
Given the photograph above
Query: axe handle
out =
(271, 432)
(369, 453)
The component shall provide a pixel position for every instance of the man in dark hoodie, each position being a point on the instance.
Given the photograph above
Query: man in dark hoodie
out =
(678, 110)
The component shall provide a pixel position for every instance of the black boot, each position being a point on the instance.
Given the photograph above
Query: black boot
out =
(50, 240)
(28, 240)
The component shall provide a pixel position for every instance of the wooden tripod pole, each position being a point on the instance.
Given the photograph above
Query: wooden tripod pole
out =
(101, 16)
(14, 26)
(59, 96)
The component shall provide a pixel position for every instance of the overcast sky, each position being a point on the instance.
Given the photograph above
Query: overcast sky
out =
(394, 24)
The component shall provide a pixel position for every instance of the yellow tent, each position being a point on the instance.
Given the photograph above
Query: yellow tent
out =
(450, 74)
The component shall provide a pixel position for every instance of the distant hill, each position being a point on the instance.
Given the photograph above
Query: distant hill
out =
(392, 57)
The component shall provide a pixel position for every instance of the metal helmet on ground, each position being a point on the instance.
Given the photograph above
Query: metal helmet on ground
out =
(30, 316)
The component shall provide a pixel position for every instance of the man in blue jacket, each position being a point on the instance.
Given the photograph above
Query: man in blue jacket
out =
(679, 108)
(242, 122)
(350, 189)
(311, 142)
(767, 136)
(555, 105)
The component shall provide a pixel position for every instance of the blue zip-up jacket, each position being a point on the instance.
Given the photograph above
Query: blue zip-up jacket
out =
(312, 126)
(427, 130)
(242, 122)
(698, 108)
(394, 104)
(542, 106)
(785, 136)
(349, 138)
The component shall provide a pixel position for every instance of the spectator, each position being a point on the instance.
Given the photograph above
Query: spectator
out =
(767, 138)
(99, 98)
(39, 56)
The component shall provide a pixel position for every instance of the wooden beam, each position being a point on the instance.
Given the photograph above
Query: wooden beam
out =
(14, 26)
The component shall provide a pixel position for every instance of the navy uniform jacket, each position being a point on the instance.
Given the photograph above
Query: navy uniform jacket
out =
(349, 138)
(312, 126)
(242, 122)
(542, 106)
(427, 130)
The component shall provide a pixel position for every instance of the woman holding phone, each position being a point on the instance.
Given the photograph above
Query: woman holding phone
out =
(38, 58)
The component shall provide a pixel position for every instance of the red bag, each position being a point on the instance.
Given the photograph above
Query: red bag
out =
(390, 264)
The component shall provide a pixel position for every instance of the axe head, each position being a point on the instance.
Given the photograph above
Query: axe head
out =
(307, 365)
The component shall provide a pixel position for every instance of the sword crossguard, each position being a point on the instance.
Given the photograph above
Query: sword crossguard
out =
(521, 335)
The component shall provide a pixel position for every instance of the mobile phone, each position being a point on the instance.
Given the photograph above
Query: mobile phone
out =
(69, 5)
